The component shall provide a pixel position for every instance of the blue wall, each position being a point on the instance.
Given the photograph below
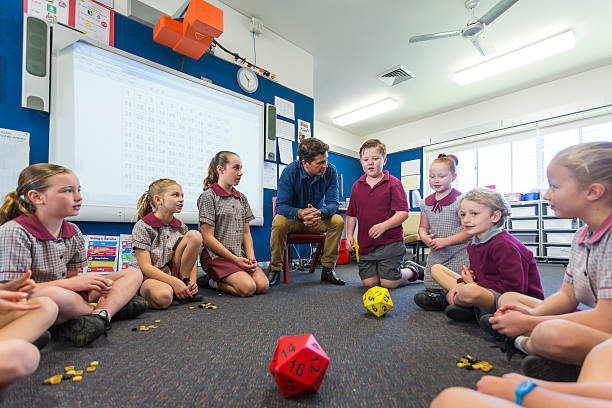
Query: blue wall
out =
(394, 165)
(137, 39)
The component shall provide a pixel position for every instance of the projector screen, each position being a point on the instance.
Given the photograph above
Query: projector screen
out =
(120, 122)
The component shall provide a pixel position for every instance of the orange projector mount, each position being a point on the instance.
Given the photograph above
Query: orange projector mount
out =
(203, 22)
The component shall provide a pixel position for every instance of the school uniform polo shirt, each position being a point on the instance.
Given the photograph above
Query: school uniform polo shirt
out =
(25, 244)
(502, 263)
(159, 239)
(589, 269)
(227, 213)
(373, 205)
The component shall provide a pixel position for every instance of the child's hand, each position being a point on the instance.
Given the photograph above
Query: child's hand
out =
(377, 230)
(243, 263)
(11, 300)
(428, 238)
(453, 292)
(437, 243)
(91, 281)
(192, 287)
(507, 308)
(512, 323)
(349, 244)
(180, 289)
(467, 275)
(21, 284)
(253, 262)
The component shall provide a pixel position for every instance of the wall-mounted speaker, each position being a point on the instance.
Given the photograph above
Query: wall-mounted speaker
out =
(35, 68)
(340, 185)
(270, 132)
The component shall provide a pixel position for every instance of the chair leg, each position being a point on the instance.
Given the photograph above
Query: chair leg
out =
(315, 259)
(286, 265)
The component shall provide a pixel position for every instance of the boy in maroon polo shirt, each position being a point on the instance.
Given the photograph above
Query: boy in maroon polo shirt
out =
(499, 262)
(378, 203)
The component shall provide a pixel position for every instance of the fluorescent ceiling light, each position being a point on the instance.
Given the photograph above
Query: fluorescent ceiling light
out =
(523, 56)
(374, 109)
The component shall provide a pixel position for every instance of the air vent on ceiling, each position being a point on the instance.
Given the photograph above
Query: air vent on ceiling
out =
(395, 75)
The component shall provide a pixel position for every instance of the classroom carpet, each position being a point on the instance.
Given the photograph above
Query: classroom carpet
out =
(220, 357)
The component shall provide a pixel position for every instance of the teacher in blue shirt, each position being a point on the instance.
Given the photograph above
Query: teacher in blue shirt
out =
(307, 201)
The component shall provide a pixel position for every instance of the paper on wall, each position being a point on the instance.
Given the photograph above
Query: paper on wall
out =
(51, 11)
(281, 168)
(94, 20)
(411, 182)
(269, 176)
(304, 131)
(285, 130)
(285, 149)
(284, 108)
(14, 157)
(411, 167)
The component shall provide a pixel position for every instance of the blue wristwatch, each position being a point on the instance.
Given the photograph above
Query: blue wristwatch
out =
(523, 389)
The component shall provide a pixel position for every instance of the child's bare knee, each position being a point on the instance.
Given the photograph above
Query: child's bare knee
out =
(245, 288)
(193, 237)
(436, 271)
(22, 359)
(552, 337)
(48, 305)
(160, 300)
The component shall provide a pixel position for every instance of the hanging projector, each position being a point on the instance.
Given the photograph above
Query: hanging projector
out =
(203, 22)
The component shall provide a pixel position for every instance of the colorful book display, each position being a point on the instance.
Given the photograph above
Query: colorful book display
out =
(125, 250)
(102, 253)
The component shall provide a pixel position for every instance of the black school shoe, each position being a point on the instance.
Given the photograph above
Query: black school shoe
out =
(460, 313)
(135, 307)
(329, 275)
(431, 301)
(42, 340)
(549, 370)
(83, 330)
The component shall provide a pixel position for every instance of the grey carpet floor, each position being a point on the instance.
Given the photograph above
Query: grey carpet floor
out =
(220, 357)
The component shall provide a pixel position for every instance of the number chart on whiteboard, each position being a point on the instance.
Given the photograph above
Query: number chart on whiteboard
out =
(121, 124)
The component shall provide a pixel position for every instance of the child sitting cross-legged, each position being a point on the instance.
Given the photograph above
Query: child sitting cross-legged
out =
(499, 262)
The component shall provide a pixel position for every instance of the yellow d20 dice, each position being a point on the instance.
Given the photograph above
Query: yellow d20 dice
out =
(377, 301)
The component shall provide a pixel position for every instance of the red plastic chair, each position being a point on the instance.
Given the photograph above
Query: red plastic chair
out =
(294, 238)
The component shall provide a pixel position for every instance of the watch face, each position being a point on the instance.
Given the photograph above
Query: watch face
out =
(247, 80)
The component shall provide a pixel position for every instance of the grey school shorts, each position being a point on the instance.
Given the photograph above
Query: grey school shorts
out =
(384, 261)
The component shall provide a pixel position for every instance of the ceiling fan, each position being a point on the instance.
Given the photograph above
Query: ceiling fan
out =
(474, 31)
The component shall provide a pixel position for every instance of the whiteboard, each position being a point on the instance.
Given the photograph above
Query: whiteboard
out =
(120, 122)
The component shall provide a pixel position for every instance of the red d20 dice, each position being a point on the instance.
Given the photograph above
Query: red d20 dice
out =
(298, 365)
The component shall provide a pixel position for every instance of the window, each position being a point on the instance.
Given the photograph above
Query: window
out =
(517, 162)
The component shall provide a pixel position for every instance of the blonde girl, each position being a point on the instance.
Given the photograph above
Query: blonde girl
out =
(163, 248)
(553, 332)
(440, 229)
(35, 237)
(499, 262)
(228, 257)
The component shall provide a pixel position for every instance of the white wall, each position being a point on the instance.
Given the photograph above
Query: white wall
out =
(293, 66)
(587, 90)
(339, 141)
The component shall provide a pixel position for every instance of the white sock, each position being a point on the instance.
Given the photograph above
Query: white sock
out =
(518, 343)
(213, 284)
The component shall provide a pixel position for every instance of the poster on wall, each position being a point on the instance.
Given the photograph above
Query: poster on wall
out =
(55, 11)
(95, 20)
(304, 131)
